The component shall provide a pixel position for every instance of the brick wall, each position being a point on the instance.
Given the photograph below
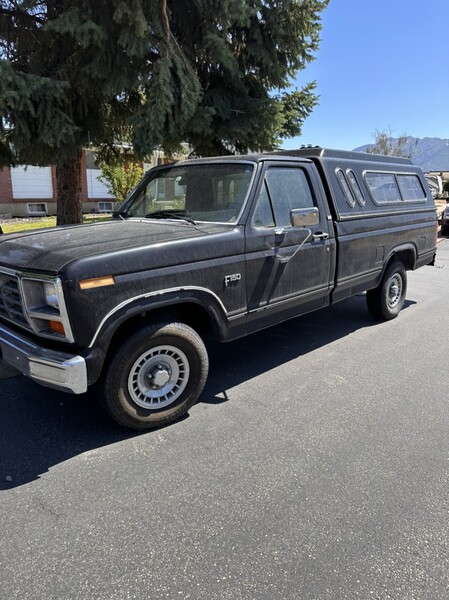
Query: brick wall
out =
(5, 187)
(54, 182)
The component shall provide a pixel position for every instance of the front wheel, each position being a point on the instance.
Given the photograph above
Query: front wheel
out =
(155, 376)
(386, 301)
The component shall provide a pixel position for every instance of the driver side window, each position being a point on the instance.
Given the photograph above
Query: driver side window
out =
(284, 188)
(263, 215)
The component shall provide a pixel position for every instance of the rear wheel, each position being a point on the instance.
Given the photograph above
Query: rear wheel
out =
(155, 376)
(386, 301)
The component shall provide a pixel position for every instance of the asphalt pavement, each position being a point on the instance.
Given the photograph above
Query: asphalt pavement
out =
(314, 467)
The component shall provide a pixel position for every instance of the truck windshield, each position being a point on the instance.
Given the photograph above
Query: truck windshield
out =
(207, 192)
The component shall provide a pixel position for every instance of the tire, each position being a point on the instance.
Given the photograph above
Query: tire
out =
(386, 301)
(155, 376)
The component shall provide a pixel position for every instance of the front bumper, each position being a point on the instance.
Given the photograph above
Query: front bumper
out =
(51, 368)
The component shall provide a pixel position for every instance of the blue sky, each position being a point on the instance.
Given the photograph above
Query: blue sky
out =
(381, 65)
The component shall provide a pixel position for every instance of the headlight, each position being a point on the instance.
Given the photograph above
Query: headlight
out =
(51, 295)
(43, 300)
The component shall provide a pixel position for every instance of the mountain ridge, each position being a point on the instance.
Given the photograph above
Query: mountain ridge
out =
(431, 154)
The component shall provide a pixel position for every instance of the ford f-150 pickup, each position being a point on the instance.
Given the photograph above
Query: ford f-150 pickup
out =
(207, 248)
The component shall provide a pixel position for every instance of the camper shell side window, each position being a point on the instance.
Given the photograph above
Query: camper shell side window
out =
(394, 188)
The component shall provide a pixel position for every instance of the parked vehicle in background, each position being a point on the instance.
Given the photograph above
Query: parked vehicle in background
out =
(208, 248)
(445, 221)
(435, 183)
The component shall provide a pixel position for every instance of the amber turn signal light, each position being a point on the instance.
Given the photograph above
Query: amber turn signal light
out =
(87, 284)
(57, 327)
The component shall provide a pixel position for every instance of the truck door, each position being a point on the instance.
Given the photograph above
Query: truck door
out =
(288, 269)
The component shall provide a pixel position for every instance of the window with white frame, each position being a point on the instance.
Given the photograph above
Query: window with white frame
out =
(105, 206)
(37, 209)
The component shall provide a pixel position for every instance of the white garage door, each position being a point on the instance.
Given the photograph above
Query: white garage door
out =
(95, 187)
(31, 182)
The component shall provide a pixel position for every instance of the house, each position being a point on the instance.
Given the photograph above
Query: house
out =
(31, 191)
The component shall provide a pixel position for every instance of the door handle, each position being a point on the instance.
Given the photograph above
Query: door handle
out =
(280, 231)
(320, 236)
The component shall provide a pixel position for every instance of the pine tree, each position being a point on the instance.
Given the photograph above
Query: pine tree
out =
(156, 72)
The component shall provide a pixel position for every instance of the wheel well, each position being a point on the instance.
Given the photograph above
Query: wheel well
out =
(406, 257)
(193, 315)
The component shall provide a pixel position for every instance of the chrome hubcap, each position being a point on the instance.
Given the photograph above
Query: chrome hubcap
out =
(158, 377)
(394, 290)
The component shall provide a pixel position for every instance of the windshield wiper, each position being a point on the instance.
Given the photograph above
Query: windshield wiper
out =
(167, 214)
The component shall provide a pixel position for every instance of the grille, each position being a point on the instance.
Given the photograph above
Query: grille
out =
(10, 300)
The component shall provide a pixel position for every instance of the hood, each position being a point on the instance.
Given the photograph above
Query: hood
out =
(51, 249)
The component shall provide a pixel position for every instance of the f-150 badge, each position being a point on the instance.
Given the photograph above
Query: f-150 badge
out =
(232, 279)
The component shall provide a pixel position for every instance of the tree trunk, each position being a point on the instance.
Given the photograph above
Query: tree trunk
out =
(68, 177)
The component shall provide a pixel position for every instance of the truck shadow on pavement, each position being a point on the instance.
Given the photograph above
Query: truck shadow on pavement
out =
(234, 363)
(40, 428)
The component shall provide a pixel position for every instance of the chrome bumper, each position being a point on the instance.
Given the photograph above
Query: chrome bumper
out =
(51, 368)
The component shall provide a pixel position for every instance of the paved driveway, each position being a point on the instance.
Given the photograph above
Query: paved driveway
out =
(315, 466)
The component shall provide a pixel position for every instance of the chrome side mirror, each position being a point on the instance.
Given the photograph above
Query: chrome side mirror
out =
(304, 217)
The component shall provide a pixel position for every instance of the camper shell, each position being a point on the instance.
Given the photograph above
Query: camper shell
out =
(376, 203)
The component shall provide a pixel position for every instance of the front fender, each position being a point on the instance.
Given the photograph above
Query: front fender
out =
(161, 299)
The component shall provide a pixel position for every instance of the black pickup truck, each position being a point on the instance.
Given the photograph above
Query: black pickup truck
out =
(216, 247)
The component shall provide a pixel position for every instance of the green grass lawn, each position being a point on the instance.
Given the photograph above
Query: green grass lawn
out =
(39, 223)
